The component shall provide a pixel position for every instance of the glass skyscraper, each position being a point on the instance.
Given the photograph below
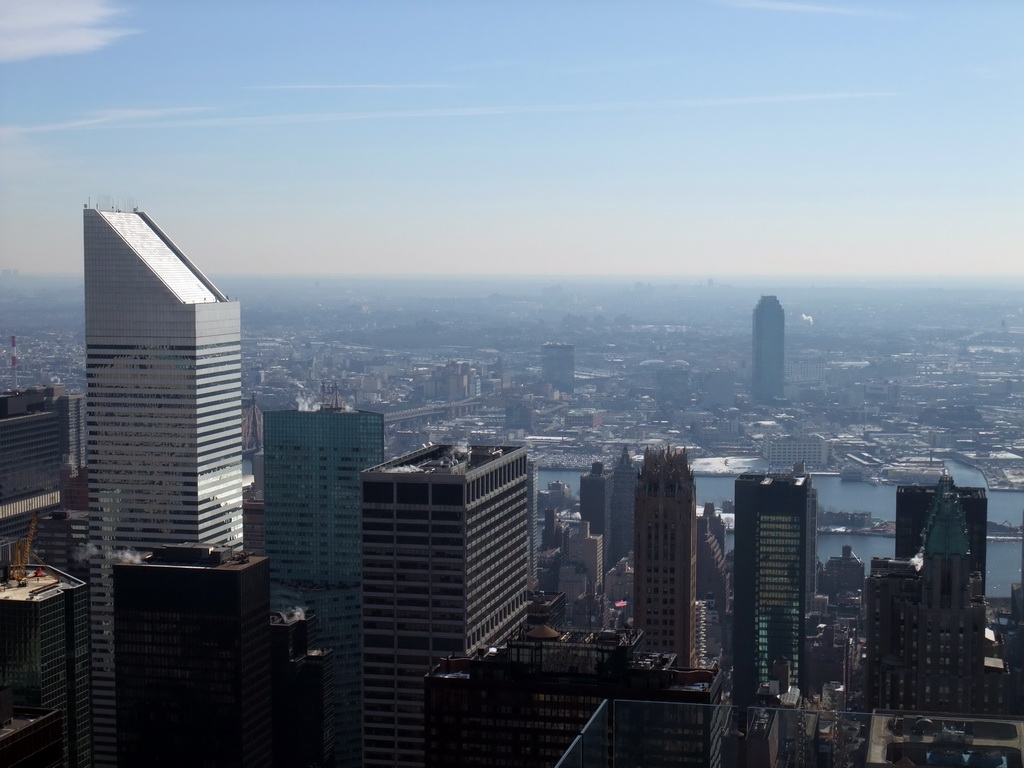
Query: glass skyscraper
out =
(775, 561)
(312, 461)
(163, 414)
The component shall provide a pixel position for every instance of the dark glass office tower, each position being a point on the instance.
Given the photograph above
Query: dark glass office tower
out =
(192, 650)
(775, 518)
(913, 508)
(623, 499)
(445, 562)
(596, 500)
(312, 461)
(767, 371)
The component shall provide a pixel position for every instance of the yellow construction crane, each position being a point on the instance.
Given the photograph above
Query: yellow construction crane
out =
(22, 550)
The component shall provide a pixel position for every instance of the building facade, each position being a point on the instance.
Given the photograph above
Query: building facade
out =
(775, 531)
(665, 555)
(445, 564)
(164, 414)
(44, 652)
(787, 450)
(303, 693)
(929, 645)
(767, 371)
(312, 461)
(521, 704)
(914, 507)
(596, 500)
(30, 458)
(192, 631)
(620, 540)
(558, 366)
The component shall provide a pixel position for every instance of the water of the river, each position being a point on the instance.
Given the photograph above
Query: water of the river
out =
(1004, 557)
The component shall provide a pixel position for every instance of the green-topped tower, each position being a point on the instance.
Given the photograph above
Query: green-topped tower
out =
(929, 644)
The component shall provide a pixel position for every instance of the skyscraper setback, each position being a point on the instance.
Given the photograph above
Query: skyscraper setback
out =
(164, 412)
(769, 348)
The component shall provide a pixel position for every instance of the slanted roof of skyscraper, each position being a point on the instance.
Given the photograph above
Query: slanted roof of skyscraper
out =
(166, 262)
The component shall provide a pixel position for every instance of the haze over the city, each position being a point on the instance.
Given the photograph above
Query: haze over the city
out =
(705, 139)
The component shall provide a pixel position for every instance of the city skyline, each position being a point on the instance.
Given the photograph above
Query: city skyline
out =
(706, 139)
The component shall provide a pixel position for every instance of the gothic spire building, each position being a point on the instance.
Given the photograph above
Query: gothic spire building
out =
(929, 644)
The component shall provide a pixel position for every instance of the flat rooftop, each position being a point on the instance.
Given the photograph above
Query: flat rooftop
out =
(39, 584)
(445, 459)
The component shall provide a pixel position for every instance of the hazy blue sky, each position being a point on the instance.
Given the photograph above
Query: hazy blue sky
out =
(706, 137)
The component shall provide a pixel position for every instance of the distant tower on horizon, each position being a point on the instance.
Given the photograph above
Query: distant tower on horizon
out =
(769, 348)
(773, 577)
(163, 360)
(558, 366)
(665, 555)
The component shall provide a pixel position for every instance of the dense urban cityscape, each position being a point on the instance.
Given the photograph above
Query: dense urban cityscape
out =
(533, 384)
(387, 523)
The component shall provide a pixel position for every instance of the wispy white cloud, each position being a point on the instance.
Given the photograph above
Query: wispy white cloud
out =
(354, 87)
(30, 29)
(785, 6)
(177, 117)
(105, 118)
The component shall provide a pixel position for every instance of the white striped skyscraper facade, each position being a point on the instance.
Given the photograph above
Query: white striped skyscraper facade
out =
(163, 363)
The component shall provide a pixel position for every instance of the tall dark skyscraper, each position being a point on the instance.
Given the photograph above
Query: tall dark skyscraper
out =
(774, 560)
(914, 507)
(312, 461)
(192, 631)
(164, 414)
(596, 500)
(558, 366)
(929, 644)
(623, 501)
(665, 555)
(445, 565)
(769, 348)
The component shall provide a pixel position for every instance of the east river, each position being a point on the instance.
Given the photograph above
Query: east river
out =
(1004, 557)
